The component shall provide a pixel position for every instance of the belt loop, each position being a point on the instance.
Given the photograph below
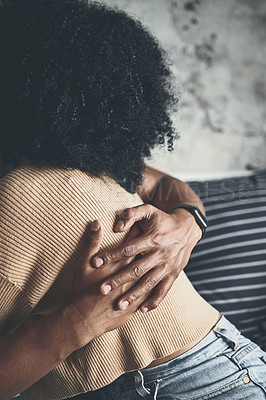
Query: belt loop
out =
(231, 336)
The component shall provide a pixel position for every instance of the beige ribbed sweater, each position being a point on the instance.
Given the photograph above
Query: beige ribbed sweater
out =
(44, 213)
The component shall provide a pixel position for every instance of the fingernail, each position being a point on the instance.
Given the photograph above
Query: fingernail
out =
(120, 224)
(98, 262)
(145, 309)
(95, 226)
(106, 289)
(124, 304)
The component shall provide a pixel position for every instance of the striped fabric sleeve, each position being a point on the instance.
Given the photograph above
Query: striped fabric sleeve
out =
(14, 307)
(228, 267)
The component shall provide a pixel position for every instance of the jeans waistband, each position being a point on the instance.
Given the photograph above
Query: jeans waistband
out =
(206, 348)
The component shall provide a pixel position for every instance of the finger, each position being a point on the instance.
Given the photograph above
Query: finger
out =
(124, 250)
(131, 273)
(134, 232)
(159, 294)
(146, 285)
(136, 304)
(94, 240)
(130, 215)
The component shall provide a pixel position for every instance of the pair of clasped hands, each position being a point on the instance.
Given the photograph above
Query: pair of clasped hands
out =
(112, 285)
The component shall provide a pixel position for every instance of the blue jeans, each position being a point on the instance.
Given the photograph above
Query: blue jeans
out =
(223, 366)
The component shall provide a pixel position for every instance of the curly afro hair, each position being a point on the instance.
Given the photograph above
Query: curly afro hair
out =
(82, 86)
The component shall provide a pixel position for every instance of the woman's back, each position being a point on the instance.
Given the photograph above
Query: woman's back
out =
(44, 216)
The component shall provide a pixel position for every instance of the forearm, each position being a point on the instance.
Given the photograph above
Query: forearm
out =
(171, 192)
(166, 192)
(29, 354)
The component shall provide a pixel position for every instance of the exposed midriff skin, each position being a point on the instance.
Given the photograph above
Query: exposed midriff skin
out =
(178, 352)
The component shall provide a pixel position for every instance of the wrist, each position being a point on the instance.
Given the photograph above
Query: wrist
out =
(187, 218)
(76, 327)
(60, 332)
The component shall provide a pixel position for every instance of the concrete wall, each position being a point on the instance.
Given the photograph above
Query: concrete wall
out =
(218, 49)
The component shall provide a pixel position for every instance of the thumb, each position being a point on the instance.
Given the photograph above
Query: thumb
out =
(93, 240)
(91, 246)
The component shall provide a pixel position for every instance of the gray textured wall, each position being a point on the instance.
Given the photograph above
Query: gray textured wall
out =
(218, 49)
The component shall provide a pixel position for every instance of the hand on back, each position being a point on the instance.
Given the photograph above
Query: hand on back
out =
(93, 314)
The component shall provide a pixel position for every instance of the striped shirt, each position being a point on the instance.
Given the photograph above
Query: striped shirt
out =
(228, 267)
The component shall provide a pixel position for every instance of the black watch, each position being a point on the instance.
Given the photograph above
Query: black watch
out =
(197, 214)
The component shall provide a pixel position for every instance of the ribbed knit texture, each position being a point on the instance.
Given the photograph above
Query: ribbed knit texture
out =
(44, 214)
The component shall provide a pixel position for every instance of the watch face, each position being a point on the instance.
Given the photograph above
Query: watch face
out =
(201, 218)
